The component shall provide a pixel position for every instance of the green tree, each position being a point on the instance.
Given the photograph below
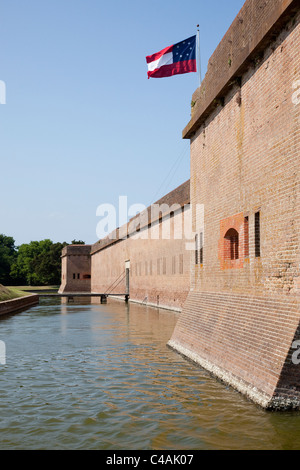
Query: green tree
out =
(48, 268)
(8, 255)
(38, 263)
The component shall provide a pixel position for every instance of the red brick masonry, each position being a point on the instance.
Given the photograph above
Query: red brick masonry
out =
(246, 342)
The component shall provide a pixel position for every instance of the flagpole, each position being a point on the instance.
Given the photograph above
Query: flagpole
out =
(199, 55)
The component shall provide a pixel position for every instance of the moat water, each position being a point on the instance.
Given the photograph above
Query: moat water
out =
(91, 376)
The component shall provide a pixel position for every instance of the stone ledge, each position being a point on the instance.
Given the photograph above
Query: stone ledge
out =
(20, 303)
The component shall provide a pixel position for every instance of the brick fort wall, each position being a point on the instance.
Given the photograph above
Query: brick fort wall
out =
(241, 318)
(155, 249)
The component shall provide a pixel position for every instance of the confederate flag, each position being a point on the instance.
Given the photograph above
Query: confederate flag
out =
(173, 60)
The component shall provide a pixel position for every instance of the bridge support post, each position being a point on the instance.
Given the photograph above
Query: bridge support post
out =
(104, 299)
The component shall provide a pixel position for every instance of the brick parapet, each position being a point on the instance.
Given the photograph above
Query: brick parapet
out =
(254, 28)
(178, 197)
(83, 250)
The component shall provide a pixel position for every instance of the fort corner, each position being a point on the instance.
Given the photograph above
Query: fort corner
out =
(76, 269)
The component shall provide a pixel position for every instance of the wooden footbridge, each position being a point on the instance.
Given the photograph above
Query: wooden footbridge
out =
(103, 297)
(72, 295)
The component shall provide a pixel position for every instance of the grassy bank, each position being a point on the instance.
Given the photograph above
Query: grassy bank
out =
(13, 292)
(35, 288)
(9, 293)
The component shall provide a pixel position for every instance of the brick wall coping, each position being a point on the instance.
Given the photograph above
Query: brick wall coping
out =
(76, 250)
(256, 25)
(180, 196)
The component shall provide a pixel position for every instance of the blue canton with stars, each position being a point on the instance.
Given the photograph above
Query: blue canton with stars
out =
(185, 50)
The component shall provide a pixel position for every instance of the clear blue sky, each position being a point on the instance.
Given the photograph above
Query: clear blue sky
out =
(82, 124)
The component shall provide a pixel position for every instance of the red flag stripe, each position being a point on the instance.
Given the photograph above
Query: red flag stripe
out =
(184, 66)
(157, 55)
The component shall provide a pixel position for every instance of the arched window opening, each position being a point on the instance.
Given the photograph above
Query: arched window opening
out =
(231, 245)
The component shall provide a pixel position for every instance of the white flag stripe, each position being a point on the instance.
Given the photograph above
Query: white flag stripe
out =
(165, 59)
